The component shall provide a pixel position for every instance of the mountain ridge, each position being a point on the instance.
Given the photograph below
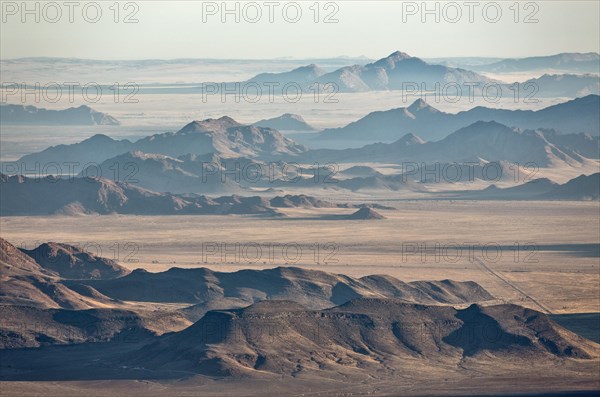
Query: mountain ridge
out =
(224, 136)
(12, 114)
(389, 125)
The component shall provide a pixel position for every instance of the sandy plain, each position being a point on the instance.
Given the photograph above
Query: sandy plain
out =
(544, 255)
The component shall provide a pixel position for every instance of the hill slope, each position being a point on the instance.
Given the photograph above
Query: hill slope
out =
(24, 282)
(71, 262)
(206, 289)
(283, 338)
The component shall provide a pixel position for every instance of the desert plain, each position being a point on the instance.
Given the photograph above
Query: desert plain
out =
(542, 255)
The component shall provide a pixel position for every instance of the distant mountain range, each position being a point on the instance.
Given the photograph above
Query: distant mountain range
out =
(206, 174)
(286, 122)
(76, 196)
(223, 136)
(420, 177)
(420, 118)
(584, 187)
(561, 85)
(472, 151)
(22, 196)
(565, 124)
(400, 71)
(209, 174)
(482, 140)
(566, 62)
(30, 115)
(581, 188)
(389, 73)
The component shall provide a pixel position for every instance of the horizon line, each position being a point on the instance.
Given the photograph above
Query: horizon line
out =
(286, 58)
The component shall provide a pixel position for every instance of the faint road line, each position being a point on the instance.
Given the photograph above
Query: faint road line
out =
(513, 286)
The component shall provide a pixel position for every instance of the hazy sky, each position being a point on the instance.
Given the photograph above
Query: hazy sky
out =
(180, 29)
